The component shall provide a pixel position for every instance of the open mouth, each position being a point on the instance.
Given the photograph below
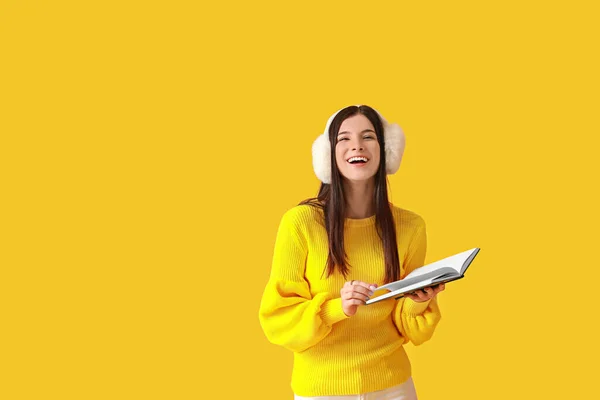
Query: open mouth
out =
(358, 160)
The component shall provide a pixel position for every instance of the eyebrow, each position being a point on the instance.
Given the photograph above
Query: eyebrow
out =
(364, 131)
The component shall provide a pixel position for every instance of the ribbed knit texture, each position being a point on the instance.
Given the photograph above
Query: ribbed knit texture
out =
(301, 309)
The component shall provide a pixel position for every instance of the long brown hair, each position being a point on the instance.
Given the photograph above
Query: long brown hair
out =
(332, 201)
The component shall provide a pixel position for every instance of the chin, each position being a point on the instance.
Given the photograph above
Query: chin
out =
(359, 178)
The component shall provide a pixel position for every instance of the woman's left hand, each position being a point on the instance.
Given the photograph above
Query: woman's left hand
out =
(425, 294)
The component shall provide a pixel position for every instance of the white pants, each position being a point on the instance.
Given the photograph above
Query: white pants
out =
(404, 391)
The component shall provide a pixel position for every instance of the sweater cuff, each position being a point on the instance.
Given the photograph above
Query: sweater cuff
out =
(332, 311)
(414, 308)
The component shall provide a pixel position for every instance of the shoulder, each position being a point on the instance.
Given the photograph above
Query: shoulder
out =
(302, 216)
(407, 219)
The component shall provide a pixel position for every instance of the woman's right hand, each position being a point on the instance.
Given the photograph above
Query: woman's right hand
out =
(354, 294)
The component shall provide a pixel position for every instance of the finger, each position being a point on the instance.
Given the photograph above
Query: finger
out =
(360, 296)
(362, 290)
(354, 289)
(359, 287)
(356, 294)
(357, 302)
(428, 291)
(438, 288)
(353, 294)
(364, 284)
(418, 295)
(346, 295)
(412, 296)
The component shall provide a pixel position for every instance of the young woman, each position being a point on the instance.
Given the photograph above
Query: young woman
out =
(332, 252)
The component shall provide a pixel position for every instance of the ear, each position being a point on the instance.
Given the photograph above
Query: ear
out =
(321, 153)
(394, 147)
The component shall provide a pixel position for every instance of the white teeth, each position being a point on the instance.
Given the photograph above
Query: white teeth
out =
(358, 159)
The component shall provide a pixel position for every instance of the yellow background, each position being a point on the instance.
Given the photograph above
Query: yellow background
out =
(149, 149)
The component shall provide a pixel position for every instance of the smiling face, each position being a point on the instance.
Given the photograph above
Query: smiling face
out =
(357, 149)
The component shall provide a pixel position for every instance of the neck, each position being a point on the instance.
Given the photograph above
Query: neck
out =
(359, 199)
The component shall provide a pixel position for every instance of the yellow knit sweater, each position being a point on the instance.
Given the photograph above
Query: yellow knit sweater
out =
(301, 309)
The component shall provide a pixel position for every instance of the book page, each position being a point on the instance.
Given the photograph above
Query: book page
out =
(414, 285)
(456, 262)
(419, 279)
(396, 291)
(445, 270)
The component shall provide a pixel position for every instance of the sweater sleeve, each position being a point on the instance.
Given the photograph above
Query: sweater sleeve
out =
(416, 321)
(288, 314)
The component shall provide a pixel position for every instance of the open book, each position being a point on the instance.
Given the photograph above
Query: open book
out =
(442, 271)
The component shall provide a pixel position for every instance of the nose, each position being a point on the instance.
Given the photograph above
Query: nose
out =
(358, 145)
